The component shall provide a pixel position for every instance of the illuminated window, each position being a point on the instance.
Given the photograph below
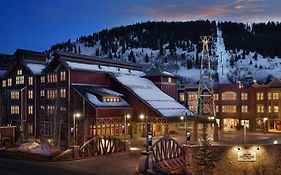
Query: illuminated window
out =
(260, 96)
(62, 76)
(260, 108)
(192, 96)
(63, 93)
(51, 93)
(192, 108)
(4, 83)
(169, 79)
(42, 79)
(19, 72)
(244, 109)
(275, 96)
(30, 109)
(15, 109)
(275, 109)
(269, 96)
(216, 97)
(9, 82)
(269, 109)
(19, 79)
(30, 129)
(30, 80)
(52, 78)
(229, 108)
(50, 109)
(15, 95)
(42, 93)
(30, 94)
(181, 97)
(228, 96)
(217, 108)
(244, 96)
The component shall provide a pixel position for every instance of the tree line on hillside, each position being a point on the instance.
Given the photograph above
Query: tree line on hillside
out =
(263, 38)
(151, 35)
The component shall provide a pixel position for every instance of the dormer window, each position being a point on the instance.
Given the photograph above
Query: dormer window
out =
(19, 72)
(111, 99)
(169, 80)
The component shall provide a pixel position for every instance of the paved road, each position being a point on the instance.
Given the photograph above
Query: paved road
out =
(115, 164)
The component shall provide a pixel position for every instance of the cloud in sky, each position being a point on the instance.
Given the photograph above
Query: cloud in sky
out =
(235, 10)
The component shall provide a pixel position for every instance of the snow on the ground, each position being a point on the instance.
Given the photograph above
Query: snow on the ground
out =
(36, 148)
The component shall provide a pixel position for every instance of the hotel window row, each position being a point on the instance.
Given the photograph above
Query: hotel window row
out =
(15, 94)
(193, 96)
(228, 96)
(52, 93)
(229, 108)
(15, 109)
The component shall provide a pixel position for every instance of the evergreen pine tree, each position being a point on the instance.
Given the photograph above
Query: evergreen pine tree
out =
(131, 56)
(110, 55)
(146, 59)
(79, 50)
(206, 157)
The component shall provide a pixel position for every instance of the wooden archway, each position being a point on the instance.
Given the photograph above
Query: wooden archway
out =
(102, 145)
(168, 156)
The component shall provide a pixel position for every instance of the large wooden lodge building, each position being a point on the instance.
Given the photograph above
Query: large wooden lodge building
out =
(42, 96)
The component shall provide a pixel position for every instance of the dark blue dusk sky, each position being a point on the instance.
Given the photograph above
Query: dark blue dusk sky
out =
(37, 24)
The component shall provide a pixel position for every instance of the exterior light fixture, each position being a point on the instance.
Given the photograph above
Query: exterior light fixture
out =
(181, 117)
(128, 116)
(238, 148)
(141, 116)
(275, 142)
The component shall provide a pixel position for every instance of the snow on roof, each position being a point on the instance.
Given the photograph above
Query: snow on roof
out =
(95, 101)
(36, 68)
(100, 68)
(108, 91)
(150, 93)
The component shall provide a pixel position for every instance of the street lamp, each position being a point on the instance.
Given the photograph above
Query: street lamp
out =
(75, 115)
(124, 130)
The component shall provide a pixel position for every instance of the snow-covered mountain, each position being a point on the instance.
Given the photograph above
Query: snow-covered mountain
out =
(182, 56)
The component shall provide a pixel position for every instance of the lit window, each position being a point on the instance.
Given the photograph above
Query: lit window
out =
(260, 96)
(19, 79)
(260, 108)
(15, 95)
(228, 96)
(169, 80)
(269, 109)
(217, 108)
(192, 96)
(181, 97)
(269, 96)
(4, 83)
(42, 79)
(42, 93)
(62, 76)
(51, 93)
(15, 110)
(276, 109)
(50, 109)
(30, 109)
(244, 109)
(229, 108)
(9, 82)
(275, 96)
(244, 96)
(30, 129)
(63, 93)
(216, 97)
(30, 94)
(192, 108)
(30, 80)
(19, 72)
(52, 78)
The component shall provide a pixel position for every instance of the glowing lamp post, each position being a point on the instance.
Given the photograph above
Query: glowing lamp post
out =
(264, 124)
(75, 115)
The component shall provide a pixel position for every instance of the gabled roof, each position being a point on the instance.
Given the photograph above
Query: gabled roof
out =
(156, 72)
(71, 57)
(151, 95)
(29, 55)
(91, 92)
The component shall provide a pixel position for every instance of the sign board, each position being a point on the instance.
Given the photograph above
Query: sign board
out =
(246, 156)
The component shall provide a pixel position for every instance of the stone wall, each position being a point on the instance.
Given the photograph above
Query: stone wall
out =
(243, 160)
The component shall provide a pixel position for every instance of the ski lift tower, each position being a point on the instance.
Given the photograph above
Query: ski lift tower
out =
(206, 104)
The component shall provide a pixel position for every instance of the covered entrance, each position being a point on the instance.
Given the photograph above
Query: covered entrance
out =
(230, 124)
